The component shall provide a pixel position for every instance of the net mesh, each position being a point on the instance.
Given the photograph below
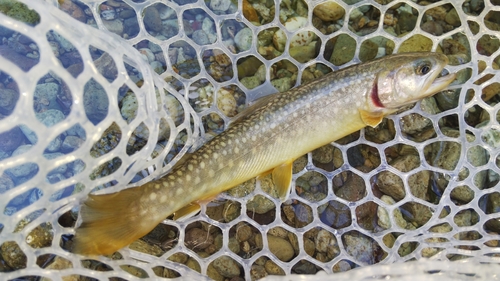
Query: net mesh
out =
(97, 96)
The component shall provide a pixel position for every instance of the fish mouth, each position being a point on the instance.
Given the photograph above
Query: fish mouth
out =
(440, 83)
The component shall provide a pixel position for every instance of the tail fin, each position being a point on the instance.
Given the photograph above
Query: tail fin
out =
(112, 221)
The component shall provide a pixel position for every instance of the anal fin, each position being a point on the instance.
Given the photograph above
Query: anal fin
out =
(192, 208)
(282, 178)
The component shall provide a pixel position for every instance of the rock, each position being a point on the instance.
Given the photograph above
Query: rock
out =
(416, 43)
(299, 39)
(200, 37)
(6, 183)
(325, 241)
(280, 247)
(432, 27)
(165, 12)
(46, 97)
(273, 269)
(344, 50)
(64, 44)
(107, 12)
(257, 272)
(29, 134)
(106, 66)
(226, 267)
(260, 204)
(73, 10)
(95, 101)
(71, 143)
(22, 61)
(453, 18)
(50, 117)
(12, 255)
(243, 39)
(11, 139)
(23, 170)
(303, 54)
(8, 100)
(130, 27)
(360, 247)
(220, 5)
(152, 19)
(198, 239)
(147, 55)
(115, 26)
(329, 11)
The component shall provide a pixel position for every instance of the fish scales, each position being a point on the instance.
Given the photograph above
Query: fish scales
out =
(289, 125)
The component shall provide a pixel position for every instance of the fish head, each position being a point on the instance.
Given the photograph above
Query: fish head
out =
(407, 78)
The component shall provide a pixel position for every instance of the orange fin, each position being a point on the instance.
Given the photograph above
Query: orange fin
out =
(282, 178)
(371, 118)
(112, 221)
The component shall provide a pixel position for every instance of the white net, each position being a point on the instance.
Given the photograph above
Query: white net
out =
(110, 94)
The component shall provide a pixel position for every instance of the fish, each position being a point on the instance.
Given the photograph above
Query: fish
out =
(266, 139)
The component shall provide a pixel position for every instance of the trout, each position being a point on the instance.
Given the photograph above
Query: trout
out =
(266, 139)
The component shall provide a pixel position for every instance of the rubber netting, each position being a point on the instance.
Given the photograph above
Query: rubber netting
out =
(110, 94)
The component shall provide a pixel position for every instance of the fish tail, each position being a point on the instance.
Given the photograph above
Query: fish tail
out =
(112, 221)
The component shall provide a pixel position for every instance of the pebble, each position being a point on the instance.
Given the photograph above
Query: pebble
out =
(73, 10)
(260, 204)
(300, 39)
(114, 26)
(8, 100)
(95, 101)
(50, 117)
(344, 50)
(257, 272)
(23, 170)
(147, 55)
(12, 139)
(41, 236)
(198, 239)
(243, 39)
(280, 247)
(152, 19)
(200, 37)
(165, 12)
(71, 143)
(220, 5)
(107, 12)
(273, 269)
(329, 11)
(12, 255)
(360, 247)
(227, 267)
(106, 66)
(416, 43)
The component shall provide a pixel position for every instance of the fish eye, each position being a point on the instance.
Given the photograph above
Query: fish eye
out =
(423, 68)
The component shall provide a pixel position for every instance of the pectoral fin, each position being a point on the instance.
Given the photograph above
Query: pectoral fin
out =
(282, 178)
(371, 119)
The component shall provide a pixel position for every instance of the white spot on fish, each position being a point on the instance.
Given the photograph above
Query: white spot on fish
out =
(236, 150)
(197, 180)
(152, 196)
(163, 199)
(211, 173)
(188, 178)
(190, 167)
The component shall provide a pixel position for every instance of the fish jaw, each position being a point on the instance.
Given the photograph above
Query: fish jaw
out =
(440, 84)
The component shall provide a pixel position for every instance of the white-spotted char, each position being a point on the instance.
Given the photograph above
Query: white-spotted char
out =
(269, 138)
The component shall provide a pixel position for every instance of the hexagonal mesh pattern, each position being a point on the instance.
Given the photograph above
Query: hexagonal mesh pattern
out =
(110, 94)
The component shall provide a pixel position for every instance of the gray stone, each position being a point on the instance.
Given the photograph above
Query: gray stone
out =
(71, 143)
(95, 101)
(29, 134)
(50, 117)
(8, 100)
